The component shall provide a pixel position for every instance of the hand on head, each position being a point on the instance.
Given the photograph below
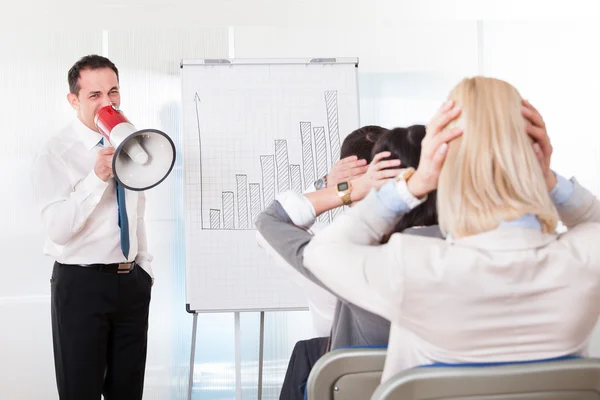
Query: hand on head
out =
(378, 173)
(433, 153)
(433, 150)
(435, 146)
(536, 129)
(346, 169)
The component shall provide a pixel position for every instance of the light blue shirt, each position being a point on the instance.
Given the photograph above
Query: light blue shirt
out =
(393, 204)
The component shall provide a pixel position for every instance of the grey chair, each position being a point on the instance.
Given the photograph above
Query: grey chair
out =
(346, 374)
(574, 379)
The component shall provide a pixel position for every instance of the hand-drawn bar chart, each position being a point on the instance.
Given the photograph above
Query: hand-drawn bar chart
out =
(320, 148)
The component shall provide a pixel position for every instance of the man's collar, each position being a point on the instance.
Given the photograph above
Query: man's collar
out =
(89, 137)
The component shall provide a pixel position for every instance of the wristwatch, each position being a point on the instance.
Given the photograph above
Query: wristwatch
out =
(405, 174)
(344, 189)
(321, 183)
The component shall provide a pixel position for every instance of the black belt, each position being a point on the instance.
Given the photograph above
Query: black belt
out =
(121, 268)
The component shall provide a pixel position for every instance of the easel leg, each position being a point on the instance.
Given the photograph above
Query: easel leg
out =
(192, 355)
(261, 354)
(238, 357)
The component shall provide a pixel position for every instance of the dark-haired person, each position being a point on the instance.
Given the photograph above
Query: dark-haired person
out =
(355, 155)
(102, 279)
(405, 144)
(283, 226)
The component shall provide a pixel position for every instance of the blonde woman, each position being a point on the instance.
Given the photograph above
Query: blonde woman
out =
(503, 286)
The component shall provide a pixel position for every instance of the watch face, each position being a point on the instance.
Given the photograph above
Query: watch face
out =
(342, 186)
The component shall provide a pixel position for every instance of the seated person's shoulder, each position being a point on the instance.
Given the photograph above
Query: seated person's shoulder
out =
(419, 242)
(581, 242)
(585, 234)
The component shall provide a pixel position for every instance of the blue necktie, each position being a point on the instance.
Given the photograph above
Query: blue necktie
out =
(123, 220)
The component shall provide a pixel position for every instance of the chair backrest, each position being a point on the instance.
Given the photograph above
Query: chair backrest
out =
(346, 374)
(553, 380)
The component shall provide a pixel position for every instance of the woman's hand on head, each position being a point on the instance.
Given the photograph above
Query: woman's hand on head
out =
(433, 150)
(536, 129)
(379, 172)
(346, 169)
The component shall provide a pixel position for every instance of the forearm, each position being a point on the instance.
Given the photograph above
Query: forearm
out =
(278, 235)
(325, 199)
(575, 204)
(65, 210)
(368, 220)
(348, 258)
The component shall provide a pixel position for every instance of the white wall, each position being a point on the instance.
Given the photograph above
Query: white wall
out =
(554, 65)
(402, 79)
(33, 105)
(344, 14)
(411, 54)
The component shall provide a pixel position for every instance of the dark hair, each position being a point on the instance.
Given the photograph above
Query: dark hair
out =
(92, 62)
(405, 144)
(361, 141)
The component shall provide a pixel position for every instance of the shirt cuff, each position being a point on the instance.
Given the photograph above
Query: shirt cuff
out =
(310, 189)
(90, 190)
(392, 196)
(298, 207)
(562, 191)
(92, 183)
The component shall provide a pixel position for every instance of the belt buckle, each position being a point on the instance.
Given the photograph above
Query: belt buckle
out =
(124, 268)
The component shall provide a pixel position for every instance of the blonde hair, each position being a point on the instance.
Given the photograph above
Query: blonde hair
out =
(491, 173)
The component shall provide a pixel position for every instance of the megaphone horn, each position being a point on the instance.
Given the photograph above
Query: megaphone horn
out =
(143, 158)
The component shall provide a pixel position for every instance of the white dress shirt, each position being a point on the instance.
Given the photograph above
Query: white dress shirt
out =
(79, 210)
(509, 294)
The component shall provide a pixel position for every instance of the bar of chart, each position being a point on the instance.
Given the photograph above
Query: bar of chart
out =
(280, 171)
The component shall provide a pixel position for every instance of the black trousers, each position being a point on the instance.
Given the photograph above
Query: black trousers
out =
(99, 332)
(305, 354)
